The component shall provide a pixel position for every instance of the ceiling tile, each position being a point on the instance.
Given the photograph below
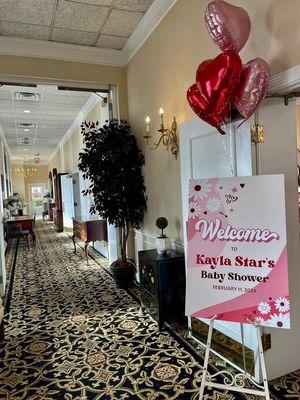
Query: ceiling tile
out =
(77, 16)
(25, 30)
(133, 5)
(37, 12)
(53, 117)
(121, 23)
(75, 37)
(111, 42)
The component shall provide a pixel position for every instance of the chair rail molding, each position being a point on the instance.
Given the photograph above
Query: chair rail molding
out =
(146, 240)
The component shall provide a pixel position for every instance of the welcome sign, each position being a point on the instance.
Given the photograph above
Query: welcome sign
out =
(237, 254)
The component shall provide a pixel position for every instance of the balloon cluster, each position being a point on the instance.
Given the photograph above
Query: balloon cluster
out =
(224, 82)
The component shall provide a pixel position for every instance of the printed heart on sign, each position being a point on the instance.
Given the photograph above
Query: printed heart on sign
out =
(242, 185)
(230, 198)
(216, 81)
(201, 107)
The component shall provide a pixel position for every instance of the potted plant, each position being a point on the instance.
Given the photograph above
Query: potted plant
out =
(16, 204)
(163, 244)
(112, 162)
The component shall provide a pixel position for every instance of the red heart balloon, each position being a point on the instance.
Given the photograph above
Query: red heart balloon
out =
(216, 79)
(215, 82)
(200, 107)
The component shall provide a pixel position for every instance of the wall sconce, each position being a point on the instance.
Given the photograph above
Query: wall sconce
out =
(168, 136)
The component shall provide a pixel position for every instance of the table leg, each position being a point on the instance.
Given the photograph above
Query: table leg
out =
(33, 238)
(73, 238)
(86, 252)
(2, 331)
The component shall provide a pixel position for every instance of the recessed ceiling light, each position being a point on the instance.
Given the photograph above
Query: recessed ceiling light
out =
(25, 149)
(27, 111)
(26, 130)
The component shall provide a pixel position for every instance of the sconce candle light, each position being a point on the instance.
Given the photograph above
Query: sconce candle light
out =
(168, 137)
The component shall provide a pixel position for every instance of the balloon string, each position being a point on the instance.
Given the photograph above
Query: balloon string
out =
(221, 130)
(227, 154)
(246, 119)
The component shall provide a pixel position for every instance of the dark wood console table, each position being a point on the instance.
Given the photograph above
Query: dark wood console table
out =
(27, 223)
(162, 284)
(89, 229)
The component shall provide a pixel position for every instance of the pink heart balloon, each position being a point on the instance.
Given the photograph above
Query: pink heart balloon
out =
(228, 25)
(252, 87)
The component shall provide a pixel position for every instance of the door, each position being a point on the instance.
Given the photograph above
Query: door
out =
(36, 192)
(278, 154)
(111, 249)
(76, 194)
(67, 200)
(205, 153)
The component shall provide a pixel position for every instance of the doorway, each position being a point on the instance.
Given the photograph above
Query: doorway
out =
(67, 200)
(36, 193)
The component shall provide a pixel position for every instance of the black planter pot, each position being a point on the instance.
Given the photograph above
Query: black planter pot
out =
(123, 274)
(20, 212)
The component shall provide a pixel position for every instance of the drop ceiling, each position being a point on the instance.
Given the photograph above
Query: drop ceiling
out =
(37, 124)
(97, 23)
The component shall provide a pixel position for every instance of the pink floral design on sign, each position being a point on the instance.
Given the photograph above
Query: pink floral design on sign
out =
(237, 255)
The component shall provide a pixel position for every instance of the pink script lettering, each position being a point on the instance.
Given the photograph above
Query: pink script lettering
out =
(213, 230)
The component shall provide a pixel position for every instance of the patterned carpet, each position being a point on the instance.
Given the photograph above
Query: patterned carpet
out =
(72, 335)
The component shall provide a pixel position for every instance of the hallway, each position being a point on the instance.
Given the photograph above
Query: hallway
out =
(71, 334)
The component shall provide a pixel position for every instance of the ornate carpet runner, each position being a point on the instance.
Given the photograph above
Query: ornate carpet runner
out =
(72, 334)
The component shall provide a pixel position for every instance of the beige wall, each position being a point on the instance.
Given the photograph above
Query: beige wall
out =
(20, 184)
(55, 162)
(26, 67)
(162, 70)
(72, 147)
(17, 181)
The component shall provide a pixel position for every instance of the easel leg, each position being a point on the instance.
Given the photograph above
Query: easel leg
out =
(262, 364)
(243, 344)
(207, 351)
(74, 243)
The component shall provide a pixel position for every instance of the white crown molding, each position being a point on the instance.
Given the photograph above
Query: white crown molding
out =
(53, 154)
(4, 141)
(286, 81)
(60, 51)
(88, 54)
(155, 14)
(89, 105)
